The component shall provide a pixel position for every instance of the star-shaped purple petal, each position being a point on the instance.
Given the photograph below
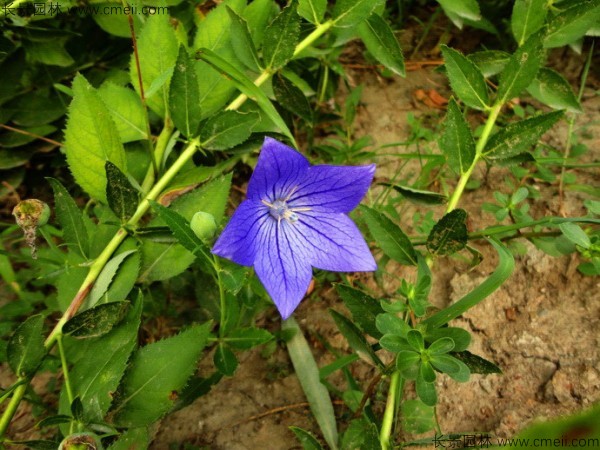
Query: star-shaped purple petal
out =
(295, 218)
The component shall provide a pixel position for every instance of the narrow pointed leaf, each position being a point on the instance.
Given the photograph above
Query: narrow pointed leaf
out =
(457, 142)
(25, 349)
(520, 136)
(466, 79)
(389, 237)
(363, 307)
(356, 339)
(308, 374)
(521, 68)
(225, 360)
(281, 37)
(419, 196)
(528, 16)
(246, 338)
(312, 10)
(490, 62)
(571, 24)
(96, 321)
(465, 9)
(477, 364)
(70, 218)
(292, 98)
(227, 129)
(105, 279)
(449, 235)
(382, 43)
(121, 195)
(552, 89)
(348, 13)
(184, 96)
(242, 43)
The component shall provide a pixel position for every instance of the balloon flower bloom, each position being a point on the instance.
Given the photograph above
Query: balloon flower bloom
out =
(295, 218)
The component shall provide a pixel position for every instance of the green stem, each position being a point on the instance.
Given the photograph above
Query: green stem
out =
(159, 152)
(222, 302)
(11, 409)
(390, 410)
(464, 178)
(65, 368)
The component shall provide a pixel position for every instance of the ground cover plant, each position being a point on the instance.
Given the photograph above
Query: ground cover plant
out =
(202, 177)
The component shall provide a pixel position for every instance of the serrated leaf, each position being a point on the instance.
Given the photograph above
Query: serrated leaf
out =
(348, 13)
(157, 49)
(528, 16)
(96, 321)
(307, 440)
(184, 96)
(571, 24)
(125, 107)
(466, 79)
(292, 98)
(225, 360)
(242, 42)
(121, 195)
(106, 277)
(91, 139)
(132, 439)
(227, 129)
(70, 218)
(519, 136)
(418, 196)
(552, 89)
(522, 67)
(382, 43)
(156, 372)
(308, 374)
(449, 235)
(246, 338)
(477, 364)
(356, 339)
(489, 62)
(389, 237)
(25, 349)
(364, 308)
(312, 10)
(281, 37)
(457, 142)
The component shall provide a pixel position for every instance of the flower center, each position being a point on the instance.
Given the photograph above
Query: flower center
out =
(279, 210)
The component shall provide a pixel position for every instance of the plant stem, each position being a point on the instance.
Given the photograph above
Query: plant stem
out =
(390, 410)
(464, 178)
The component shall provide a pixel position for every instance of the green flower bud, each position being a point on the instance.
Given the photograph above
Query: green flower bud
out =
(31, 213)
(81, 441)
(203, 225)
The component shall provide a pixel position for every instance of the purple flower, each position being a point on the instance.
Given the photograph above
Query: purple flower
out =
(295, 218)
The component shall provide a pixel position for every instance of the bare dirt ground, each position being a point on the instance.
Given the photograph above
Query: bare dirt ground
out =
(541, 327)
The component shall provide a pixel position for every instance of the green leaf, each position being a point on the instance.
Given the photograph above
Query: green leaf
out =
(156, 372)
(106, 277)
(441, 346)
(476, 364)
(575, 234)
(349, 13)
(35, 108)
(417, 417)
(356, 339)
(308, 374)
(121, 195)
(184, 96)
(457, 142)
(242, 43)
(418, 196)
(292, 98)
(571, 24)
(382, 43)
(449, 235)
(406, 361)
(460, 337)
(157, 48)
(25, 349)
(246, 338)
(247, 86)
(307, 440)
(281, 37)
(506, 265)
(363, 307)
(490, 62)
(415, 340)
(227, 129)
(70, 218)
(51, 52)
(225, 360)
(361, 434)
(132, 439)
(464, 9)
(426, 392)
(466, 79)
(520, 136)
(552, 89)
(102, 361)
(522, 67)
(97, 321)
(445, 363)
(91, 139)
(528, 16)
(389, 237)
(312, 10)
(126, 110)
(389, 323)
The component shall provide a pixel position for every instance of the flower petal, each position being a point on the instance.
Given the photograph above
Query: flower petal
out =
(283, 266)
(333, 188)
(240, 238)
(278, 171)
(335, 243)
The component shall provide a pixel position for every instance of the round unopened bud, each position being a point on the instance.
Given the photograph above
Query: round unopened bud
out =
(81, 441)
(203, 225)
(31, 213)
